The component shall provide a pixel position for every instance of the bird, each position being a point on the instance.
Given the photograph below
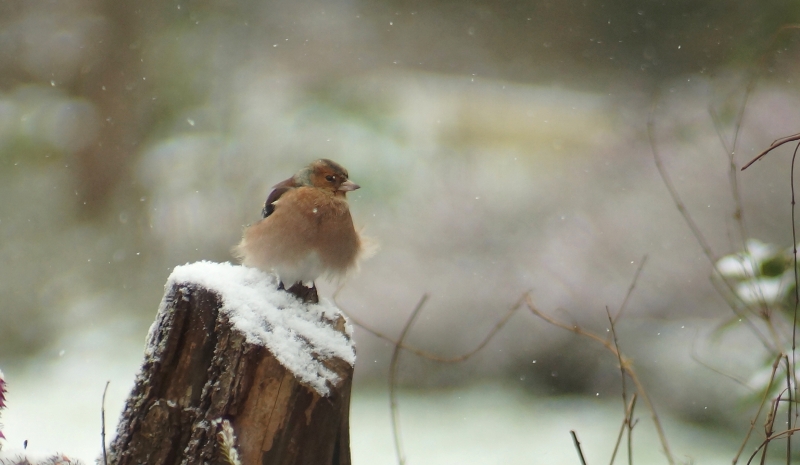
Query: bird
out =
(306, 231)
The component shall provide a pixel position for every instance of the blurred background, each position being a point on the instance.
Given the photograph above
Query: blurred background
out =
(501, 147)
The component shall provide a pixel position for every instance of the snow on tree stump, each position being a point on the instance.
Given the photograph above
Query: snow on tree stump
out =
(236, 371)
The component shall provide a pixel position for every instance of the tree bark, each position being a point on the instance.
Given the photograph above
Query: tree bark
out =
(200, 374)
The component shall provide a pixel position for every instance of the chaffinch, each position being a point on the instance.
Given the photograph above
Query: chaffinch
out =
(307, 230)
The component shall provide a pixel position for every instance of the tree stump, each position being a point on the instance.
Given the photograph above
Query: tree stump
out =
(236, 371)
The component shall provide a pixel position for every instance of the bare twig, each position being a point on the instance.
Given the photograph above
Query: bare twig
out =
(619, 437)
(630, 289)
(631, 424)
(626, 422)
(673, 192)
(791, 370)
(627, 407)
(400, 344)
(429, 355)
(760, 408)
(393, 375)
(774, 145)
(771, 438)
(628, 370)
(704, 245)
(733, 179)
(577, 446)
(762, 65)
(730, 152)
(789, 408)
(696, 358)
(792, 411)
(733, 173)
(103, 423)
(619, 359)
(769, 423)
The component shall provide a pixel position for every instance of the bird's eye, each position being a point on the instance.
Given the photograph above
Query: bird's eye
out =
(330, 178)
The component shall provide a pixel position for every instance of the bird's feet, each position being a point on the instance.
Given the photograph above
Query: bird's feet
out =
(299, 290)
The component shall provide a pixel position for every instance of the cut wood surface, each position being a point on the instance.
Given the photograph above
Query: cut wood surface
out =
(216, 361)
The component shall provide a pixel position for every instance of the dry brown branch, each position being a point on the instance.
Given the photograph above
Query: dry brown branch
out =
(400, 344)
(760, 66)
(700, 238)
(760, 408)
(577, 446)
(631, 424)
(626, 422)
(625, 363)
(525, 298)
(789, 408)
(630, 290)
(429, 355)
(771, 438)
(773, 337)
(792, 411)
(696, 358)
(628, 408)
(790, 369)
(673, 192)
(733, 179)
(769, 424)
(103, 423)
(774, 145)
(619, 359)
(398, 445)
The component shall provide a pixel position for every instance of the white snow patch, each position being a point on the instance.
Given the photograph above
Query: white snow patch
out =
(762, 290)
(736, 266)
(28, 457)
(299, 335)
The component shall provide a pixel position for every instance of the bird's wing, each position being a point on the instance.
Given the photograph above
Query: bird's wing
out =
(277, 191)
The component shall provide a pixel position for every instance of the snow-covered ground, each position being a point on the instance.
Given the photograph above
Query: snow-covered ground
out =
(55, 405)
(498, 424)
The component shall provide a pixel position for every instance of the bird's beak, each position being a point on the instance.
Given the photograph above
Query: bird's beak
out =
(349, 186)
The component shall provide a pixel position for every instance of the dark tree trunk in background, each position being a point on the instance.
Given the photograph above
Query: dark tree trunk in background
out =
(208, 373)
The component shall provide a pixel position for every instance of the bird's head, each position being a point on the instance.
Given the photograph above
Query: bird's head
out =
(328, 175)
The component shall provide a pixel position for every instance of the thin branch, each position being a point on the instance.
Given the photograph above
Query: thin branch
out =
(628, 369)
(429, 355)
(628, 407)
(769, 424)
(619, 359)
(621, 367)
(704, 245)
(789, 409)
(760, 408)
(619, 437)
(715, 120)
(398, 445)
(774, 145)
(733, 179)
(791, 370)
(696, 358)
(103, 423)
(400, 344)
(577, 446)
(631, 424)
(625, 422)
(630, 289)
(673, 192)
(760, 66)
(771, 438)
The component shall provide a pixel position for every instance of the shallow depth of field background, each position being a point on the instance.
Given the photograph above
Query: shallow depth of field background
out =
(501, 148)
